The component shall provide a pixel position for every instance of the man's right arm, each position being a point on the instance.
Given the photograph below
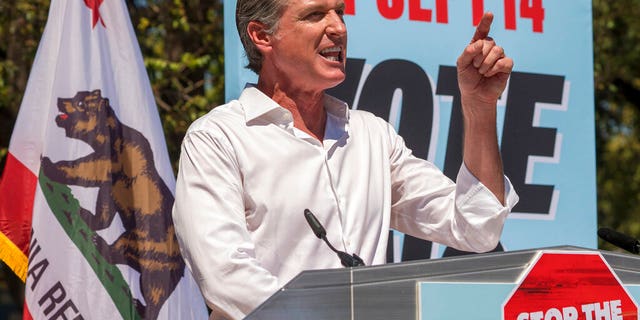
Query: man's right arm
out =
(210, 223)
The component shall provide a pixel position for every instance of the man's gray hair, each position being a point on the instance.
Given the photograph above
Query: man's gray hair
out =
(267, 12)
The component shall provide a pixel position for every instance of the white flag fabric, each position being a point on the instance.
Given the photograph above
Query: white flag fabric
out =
(102, 242)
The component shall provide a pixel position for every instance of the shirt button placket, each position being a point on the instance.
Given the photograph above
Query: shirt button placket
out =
(339, 201)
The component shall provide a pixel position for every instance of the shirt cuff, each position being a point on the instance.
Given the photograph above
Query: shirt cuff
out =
(469, 186)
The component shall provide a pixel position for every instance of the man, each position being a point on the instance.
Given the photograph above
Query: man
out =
(250, 168)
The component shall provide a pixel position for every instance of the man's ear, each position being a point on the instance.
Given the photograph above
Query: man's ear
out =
(258, 34)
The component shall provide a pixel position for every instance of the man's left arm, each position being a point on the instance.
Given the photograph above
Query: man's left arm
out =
(483, 71)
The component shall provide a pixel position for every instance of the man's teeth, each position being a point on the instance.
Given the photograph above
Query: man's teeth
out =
(330, 50)
(330, 53)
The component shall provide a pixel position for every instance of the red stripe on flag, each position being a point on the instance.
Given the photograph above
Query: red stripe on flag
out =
(17, 191)
(26, 314)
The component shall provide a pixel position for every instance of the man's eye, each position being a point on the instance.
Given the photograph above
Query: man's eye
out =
(315, 15)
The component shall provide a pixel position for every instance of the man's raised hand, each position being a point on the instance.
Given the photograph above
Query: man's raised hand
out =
(483, 68)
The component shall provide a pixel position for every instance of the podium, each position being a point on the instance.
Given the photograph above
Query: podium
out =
(415, 289)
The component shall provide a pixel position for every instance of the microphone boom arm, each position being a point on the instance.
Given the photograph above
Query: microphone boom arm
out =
(346, 259)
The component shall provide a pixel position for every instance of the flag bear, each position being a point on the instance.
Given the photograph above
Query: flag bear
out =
(122, 167)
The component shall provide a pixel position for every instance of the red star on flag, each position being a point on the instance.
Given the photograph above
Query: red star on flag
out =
(94, 5)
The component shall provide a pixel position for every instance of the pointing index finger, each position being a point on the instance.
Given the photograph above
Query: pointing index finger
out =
(482, 31)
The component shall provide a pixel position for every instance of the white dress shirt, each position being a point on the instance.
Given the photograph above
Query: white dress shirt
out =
(246, 176)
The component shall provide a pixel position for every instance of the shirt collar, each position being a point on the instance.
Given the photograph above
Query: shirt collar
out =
(257, 106)
(337, 118)
(336, 107)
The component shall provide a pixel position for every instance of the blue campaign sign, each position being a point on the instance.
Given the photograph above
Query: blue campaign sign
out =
(401, 66)
(462, 300)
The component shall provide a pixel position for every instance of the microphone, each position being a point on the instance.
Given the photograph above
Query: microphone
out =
(346, 259)
(620, 240)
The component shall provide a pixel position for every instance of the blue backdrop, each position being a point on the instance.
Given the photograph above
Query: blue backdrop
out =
(401, 66)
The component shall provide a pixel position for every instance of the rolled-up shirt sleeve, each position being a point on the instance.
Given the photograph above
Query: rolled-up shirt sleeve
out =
(426, 204)
(210, 223)
(483, 211)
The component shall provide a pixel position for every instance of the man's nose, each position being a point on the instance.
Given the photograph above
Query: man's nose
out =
(336, 24)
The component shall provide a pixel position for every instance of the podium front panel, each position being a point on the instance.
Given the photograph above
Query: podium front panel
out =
(392, 291)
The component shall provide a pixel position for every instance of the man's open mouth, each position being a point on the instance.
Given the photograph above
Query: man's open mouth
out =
(332, 53)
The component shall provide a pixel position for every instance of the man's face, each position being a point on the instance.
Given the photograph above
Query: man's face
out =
(309, 47)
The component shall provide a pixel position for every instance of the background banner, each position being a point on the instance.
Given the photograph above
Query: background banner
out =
(401, 66)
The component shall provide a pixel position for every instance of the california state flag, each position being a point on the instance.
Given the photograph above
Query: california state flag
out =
(87, 191)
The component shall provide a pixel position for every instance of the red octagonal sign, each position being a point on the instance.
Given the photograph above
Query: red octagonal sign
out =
(570, 286)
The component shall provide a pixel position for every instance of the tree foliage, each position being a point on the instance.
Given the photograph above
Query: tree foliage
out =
(616, 30)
